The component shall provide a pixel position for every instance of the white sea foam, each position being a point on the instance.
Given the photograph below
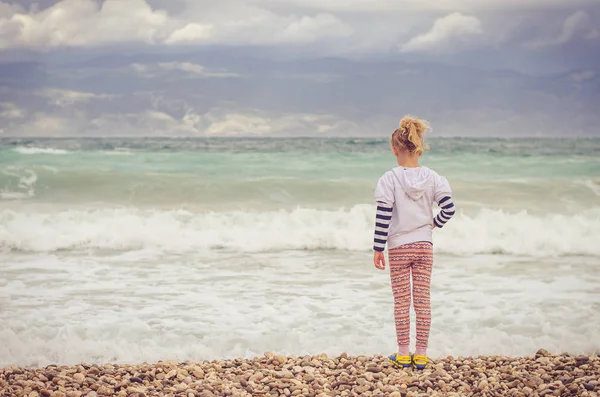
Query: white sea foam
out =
(38, 150)
(117, 152)
(132, 308)
(488, 232)
(593, 185)
(14, 195)
(26, 180)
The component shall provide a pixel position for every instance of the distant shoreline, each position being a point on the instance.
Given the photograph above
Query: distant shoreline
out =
(383, 138)
(542, 374)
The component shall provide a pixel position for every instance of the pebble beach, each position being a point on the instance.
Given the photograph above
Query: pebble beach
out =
(544, 374)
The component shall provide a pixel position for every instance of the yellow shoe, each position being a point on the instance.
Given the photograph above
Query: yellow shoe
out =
(400, 361)
(419, 362)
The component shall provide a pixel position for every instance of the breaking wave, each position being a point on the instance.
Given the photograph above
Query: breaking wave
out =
(487, 232)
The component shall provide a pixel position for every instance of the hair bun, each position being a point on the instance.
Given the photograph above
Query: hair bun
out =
(410, 133)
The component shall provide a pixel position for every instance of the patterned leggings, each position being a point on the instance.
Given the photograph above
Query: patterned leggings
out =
(417, 257)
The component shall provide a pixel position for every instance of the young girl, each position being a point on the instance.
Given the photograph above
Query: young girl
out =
(405, 197)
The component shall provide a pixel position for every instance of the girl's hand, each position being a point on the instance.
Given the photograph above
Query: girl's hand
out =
(379, 260)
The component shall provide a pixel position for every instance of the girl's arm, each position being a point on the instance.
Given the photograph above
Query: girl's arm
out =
(447, 206)
(382, 223)
(384, 197)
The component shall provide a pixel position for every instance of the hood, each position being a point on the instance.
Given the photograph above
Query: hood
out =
(414, 181)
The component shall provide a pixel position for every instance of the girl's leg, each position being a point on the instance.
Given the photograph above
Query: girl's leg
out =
(422, 254)
(400, 275)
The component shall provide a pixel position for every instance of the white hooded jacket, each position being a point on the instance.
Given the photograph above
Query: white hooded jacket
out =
(411, 192)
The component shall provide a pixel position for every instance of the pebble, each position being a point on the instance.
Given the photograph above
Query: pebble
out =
(543, 375)
(589, 387)
(79, 378)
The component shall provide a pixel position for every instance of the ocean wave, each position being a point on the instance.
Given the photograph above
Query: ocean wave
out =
(521, 148)
(487, 232)
(25, 183)
(109, 153)
(39, 150)
(15, 195)
(592, 184)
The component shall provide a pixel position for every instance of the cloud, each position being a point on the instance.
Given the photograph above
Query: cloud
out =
(577, 23)
(220, 122)
(40, 124)
(190, 33)
(575, 26)
(384, 6)
(148, 122)
(7, 10)
(446, 32)
(11, 111)
(187, 69)
(307, 29)
(89, 23)
(259, 26)
(289, 96)
(345, 28)
(64, 98)
(582, 76)
(74, 23)
(216, 122)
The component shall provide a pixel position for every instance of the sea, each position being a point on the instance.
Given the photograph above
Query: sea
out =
(129, 250)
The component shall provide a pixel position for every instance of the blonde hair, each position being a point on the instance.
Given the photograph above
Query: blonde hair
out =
(410, 135)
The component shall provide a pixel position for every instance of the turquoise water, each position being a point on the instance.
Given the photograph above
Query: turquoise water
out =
(545, 188)
(260, 174)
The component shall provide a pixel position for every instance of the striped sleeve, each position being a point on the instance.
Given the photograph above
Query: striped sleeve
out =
(382, 223)
(447, 206)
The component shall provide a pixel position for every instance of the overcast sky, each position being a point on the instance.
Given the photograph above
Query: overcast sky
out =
(299, 67)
